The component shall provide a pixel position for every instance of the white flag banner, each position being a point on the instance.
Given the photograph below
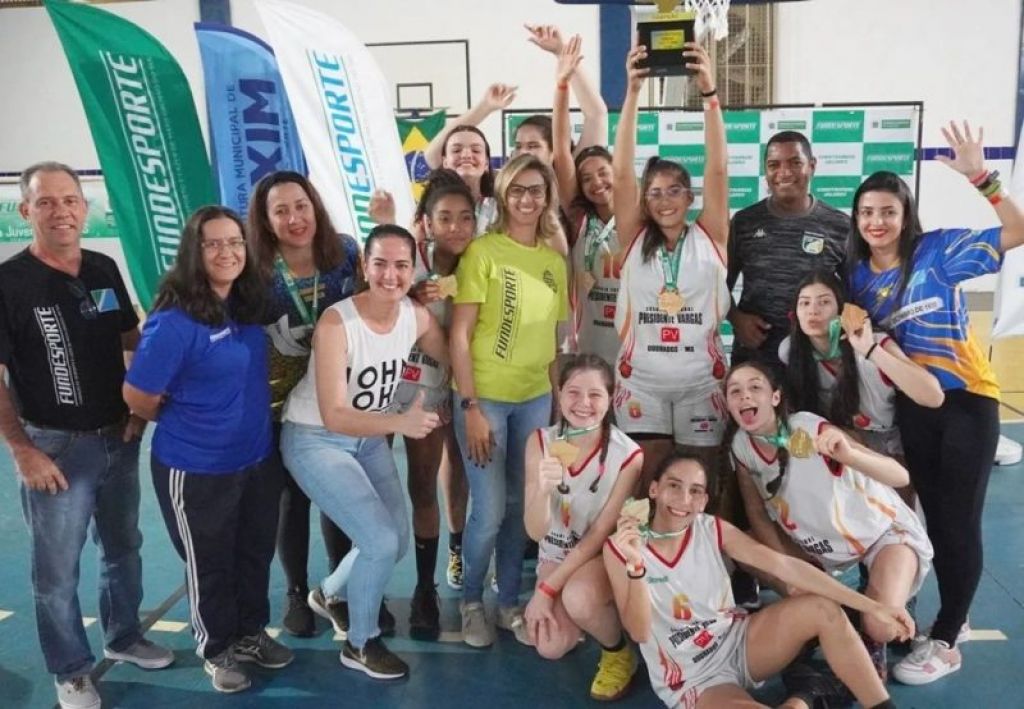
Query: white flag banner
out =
(1008, 313)
(343, 114)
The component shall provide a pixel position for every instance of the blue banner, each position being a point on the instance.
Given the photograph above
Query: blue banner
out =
(252, 130)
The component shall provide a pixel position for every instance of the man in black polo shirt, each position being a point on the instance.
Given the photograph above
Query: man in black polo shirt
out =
(66, 324)
(776, 243)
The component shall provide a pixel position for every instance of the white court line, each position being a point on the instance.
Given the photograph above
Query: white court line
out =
(4, 615)
(987, 635)
(168, 626)
(87, 621)
(273, 632)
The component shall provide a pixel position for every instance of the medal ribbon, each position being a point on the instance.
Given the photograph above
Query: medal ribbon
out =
(780, 439)
(670, 264)
(594, 245)
(308, 318)
(835, 330)
(427, 254)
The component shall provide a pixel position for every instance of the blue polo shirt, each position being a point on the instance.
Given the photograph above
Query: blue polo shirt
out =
(216, 414)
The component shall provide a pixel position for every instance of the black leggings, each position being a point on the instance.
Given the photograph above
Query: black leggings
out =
(949, 453)
(293, 536)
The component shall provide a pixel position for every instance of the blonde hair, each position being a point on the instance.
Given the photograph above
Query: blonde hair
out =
(548, 226)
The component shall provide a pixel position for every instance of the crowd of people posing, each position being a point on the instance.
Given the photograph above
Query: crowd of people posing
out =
(546, 340)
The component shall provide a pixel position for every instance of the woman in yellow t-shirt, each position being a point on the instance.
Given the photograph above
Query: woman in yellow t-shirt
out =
(511, 295)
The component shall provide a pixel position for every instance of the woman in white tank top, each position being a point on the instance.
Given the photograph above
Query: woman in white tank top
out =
(672, 293)
(669, 574)
(579, 473)
(334, 439)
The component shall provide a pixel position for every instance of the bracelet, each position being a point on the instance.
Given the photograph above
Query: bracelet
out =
(871, 350)
(997, 198)
(562, 86)
(991, 188)
(547, 590)
(709, 94)
(979, 178)
(643, 572)
(711, 105)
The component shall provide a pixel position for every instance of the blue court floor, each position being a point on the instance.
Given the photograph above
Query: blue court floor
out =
(450, 674)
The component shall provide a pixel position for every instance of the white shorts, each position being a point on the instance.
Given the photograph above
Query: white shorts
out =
(698, 422)
(727, 666)
(912, 537)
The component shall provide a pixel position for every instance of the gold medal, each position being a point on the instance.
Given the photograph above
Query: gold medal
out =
(586, 281)
(853, 318)
(447, 287)
(564, 451)
(801, 444)
(670, 302)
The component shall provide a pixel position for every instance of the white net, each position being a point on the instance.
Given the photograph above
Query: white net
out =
(711, 17)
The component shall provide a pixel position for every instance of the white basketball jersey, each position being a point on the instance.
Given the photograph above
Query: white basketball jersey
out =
(593, 307)
(877, 392)
(682, 352)
(692, 610)
(374, 364)
(589, 489)
(833, 512)
(420, 368)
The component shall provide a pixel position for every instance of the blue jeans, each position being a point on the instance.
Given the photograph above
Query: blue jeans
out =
(353, 481)
(496, 491)
(103, 489)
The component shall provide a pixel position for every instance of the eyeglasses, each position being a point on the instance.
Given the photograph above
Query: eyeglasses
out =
(519, 191)
(87, 307)
(673, 192)
(215, 246)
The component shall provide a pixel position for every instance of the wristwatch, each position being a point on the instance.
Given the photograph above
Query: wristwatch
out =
(467, 404)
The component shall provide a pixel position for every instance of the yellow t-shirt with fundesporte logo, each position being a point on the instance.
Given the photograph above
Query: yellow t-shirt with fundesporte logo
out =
(522, 294)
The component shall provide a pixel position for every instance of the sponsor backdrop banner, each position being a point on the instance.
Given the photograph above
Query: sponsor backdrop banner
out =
(99, 222)
(850, 144)
(1008, 309)
(252, 131)
(144, 124)
(415, 135)
(343, 112)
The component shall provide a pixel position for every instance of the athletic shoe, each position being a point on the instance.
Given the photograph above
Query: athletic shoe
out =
(263, 650)
(614, 673)
(78, 693)
(227, 676)
(142, 653)
(298, 618)
(930, 661)
(819, 689)
(746, 591)
(425, 614)
(331, 608)
(455, 569)
(963, 636)
(374, 659)
(511, 619)
(476, 631)
(385, 620)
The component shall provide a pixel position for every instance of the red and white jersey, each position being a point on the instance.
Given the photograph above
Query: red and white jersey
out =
(589, 490)
(833, 512)
(877, 392)
(593, 308)
(680, 352)
(692, 610)
(420, 368)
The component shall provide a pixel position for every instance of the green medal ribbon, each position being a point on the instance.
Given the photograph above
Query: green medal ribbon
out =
(427, 252)
(835, 330)
(570, 432)
(645, 529)
(308, 318)
(670, 264)
(594, 245)
(779, 439)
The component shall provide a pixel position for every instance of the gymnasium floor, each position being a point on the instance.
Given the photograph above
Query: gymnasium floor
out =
(450, 674)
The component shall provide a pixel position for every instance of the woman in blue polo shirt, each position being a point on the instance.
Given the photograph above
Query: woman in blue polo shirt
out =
(909, 281)
(200, 372)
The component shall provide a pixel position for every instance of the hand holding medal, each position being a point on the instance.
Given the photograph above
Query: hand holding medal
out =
(566, 454)
(447, 286)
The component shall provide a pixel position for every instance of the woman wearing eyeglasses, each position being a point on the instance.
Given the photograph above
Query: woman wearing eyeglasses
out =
(200, 372)
(672, 294)
(512, 294)
(811, 491)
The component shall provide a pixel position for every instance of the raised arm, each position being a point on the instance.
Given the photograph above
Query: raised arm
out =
(561, 130)
(541, 479)
(628, 211)
(714, 215)
(497, 97)
(632, 600)
(909, 377)
(969, 160)
(835, 444)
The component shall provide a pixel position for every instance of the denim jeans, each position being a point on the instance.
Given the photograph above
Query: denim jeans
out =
(103, 489)
(496, 491)
(354, 481)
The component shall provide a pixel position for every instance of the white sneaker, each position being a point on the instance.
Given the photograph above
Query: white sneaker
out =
(963, 636)
(78, 693)
(476, 632)
(932, 660)
(511, 619)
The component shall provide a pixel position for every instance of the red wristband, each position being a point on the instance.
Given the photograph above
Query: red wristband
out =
(562, 86)
(979, 178)
(547, 590)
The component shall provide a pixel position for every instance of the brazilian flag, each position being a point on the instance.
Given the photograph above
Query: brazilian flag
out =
(415, 135)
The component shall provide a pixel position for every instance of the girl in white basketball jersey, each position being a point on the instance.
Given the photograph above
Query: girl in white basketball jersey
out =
(579, 473)
(672, 293)
(811, 491)
(850, 380)
(670, 579)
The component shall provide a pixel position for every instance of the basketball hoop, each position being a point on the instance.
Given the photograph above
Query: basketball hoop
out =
(711, 17)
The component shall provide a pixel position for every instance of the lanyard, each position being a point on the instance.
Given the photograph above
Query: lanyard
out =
(293, 290)
(594, 245)
(427, 253)
(670, 264)
(780, 439)
(570, 432)
(834, 331)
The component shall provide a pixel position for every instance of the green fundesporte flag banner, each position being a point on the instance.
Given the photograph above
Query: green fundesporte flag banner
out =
(144, 124)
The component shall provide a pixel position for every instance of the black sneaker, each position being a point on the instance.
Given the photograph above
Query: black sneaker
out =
(819, 689)
(374, 659)
(425, 614)
(746, 592)
(263, 650)
(385, 620)
(298, 618)
(333, 609)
